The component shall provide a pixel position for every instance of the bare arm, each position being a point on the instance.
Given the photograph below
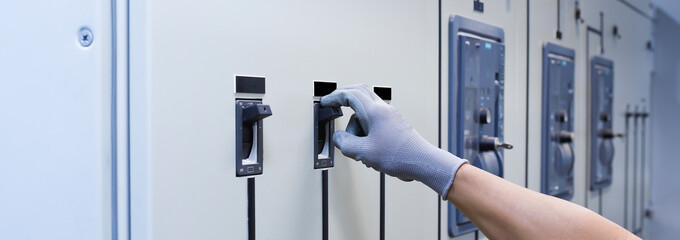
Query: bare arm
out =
(503, 210)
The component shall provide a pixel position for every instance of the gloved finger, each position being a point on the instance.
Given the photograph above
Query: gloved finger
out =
(350, 145)
(354, 98)
(368, 91)
(365, 88)
(405, 179)
(354, 128)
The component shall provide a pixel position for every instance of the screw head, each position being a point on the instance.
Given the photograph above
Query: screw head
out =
(85, 37)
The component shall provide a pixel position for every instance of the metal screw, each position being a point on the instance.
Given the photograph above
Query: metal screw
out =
(85, 37)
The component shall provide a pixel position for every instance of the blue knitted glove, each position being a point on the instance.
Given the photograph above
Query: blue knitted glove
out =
(378, 136)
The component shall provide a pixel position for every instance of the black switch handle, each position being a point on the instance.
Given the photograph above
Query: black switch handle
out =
(487, 143)
(609, 134)
(326, 114)
(256, 113)
(563, 137)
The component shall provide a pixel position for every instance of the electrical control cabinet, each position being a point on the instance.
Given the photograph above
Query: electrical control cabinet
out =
(557, 154)
(476, 88)
(601, 131)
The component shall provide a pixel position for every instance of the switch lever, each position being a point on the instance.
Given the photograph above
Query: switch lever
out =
(487, 143)
(256, 113)
(608, 134)
(504, 145)
(563, 137)
(329, 113)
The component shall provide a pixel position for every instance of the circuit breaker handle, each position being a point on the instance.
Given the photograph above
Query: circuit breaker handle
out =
(487, 143)
(256, 113)
(329, 113)
(608, 134)
(563, 137)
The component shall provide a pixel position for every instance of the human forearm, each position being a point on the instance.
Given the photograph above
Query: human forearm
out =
(378, 136)
(503, 210)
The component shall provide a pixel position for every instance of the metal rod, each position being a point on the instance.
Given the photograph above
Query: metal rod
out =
(627, 171)
(382, 206)
(599, 200)
(324, 204)
(601, 31)
(594, 30)
(635, 161)
(558, 15)
(642, 162)
(251, 208)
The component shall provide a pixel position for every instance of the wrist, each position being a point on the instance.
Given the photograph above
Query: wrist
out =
(430, 165)
(460, 174)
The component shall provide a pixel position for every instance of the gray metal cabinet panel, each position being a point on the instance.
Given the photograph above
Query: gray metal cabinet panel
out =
(55, 129)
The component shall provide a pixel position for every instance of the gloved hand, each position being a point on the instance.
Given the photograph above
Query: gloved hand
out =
(378, 136)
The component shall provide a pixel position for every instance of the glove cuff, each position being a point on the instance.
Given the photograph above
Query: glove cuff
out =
(432, 166)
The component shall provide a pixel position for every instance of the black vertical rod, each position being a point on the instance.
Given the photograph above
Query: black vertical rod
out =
(642, 162)
(599, 199)
(559, 5)
(627, 171)
(635, 169)
(601, 33)
(588, 147)
(382, 206)
(324, 204)
(251, 208)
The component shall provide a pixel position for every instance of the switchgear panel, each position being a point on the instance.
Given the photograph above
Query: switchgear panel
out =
(324, 126)
(601, 129)
(476, 89)
(557, 154)
(248, 130)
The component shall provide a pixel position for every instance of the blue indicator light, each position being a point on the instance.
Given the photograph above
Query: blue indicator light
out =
(487, 45)
(606, 72)
(564, 63)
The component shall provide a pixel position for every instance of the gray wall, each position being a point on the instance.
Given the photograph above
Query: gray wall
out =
(665, 116)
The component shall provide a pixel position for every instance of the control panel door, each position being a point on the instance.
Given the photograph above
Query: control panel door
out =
(557, 124)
